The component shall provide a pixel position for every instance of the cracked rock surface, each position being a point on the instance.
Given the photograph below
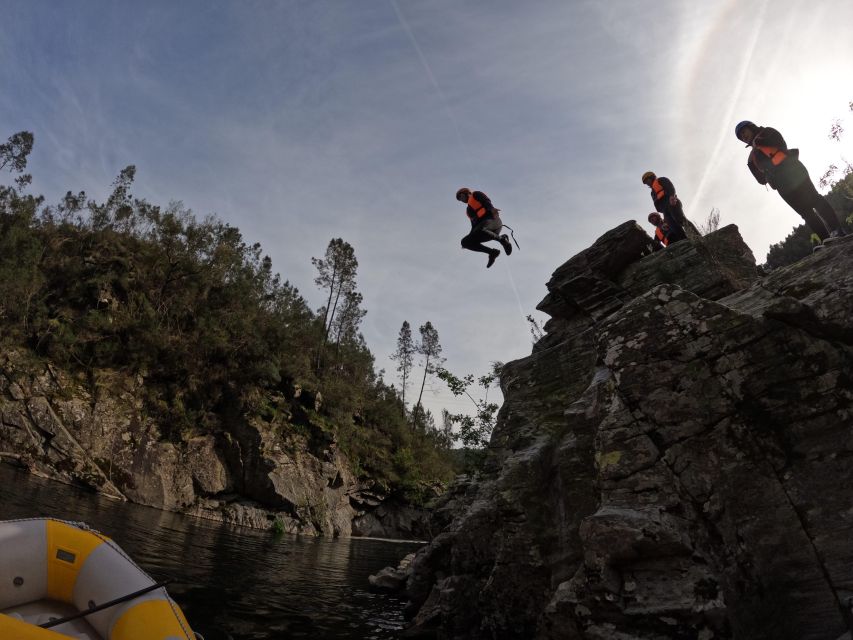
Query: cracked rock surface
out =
(100, 436)
(674, 460)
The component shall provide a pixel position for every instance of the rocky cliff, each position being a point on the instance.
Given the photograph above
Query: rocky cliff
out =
(674, 460)
(97, 433)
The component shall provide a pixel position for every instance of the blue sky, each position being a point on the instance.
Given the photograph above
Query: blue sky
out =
(301, 121)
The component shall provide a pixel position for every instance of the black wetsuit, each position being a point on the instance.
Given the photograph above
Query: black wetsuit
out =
(673, 214)
(670, 233)
(487, 227)
(791, 179)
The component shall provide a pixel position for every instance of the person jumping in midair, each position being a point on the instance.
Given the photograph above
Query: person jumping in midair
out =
(772, 162)
(485, 224)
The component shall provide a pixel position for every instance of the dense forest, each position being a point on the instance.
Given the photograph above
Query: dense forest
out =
(199, 314)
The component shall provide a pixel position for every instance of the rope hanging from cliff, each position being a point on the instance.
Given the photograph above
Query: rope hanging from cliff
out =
(512, 233)
(515, 289)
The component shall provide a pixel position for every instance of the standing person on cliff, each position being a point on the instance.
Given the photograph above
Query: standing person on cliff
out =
(667, 203)
(772, 163)
(665, 235)
(485, 224)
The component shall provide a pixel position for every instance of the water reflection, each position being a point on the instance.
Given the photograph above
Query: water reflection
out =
(234, 583)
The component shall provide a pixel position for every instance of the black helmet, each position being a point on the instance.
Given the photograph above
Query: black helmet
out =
(744, 124)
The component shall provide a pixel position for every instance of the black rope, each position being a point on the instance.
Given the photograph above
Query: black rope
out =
(512, 233)
(106, 605)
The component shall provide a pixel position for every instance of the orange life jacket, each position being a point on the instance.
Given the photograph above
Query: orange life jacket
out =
(775, 154)
(660, 235)
(479, 209)
(657, 190)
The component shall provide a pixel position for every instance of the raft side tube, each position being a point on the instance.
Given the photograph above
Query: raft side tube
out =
(44, 559)
(20, 630)
(23, 562)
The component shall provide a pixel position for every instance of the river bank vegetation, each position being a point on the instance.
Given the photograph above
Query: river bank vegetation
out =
(199, 313)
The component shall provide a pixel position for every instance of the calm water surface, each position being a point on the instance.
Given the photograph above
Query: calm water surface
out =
(233, 583)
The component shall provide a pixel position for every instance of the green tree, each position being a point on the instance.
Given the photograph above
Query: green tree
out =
(15, 151)
(404, 356)
(21, 250)
(429, 348)
(336, 273)
(118, 207)
(474, 430)
(800, 242)
(841, 198)
(444, 436)
(834, 173)
(347, 321)
(191, 307)
(797, 245)
(840, 179)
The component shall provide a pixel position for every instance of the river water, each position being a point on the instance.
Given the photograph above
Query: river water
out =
(233, 583)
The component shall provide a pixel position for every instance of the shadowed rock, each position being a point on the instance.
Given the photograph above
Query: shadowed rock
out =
(672, 461)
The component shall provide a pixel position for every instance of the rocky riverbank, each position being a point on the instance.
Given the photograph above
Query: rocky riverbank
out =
(97, 433)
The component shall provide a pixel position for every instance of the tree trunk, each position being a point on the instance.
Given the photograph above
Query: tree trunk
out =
(326, 317)
(405, 377)
(423, 383)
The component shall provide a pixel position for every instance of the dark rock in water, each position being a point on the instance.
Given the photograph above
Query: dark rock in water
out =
(390, 579)
(674, 460)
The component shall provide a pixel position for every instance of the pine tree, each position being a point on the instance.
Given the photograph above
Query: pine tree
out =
(430, 348)
(336, 272)
(14, 152)
(404, 356)
(347, 321)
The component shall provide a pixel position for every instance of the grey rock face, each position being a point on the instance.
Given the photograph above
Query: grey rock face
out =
(672, 461)
(394, 517)
(248, 473)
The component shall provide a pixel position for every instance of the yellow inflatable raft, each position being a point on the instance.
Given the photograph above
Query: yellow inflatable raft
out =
(51, 570)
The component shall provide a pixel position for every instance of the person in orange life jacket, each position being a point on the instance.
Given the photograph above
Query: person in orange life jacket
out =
(667, 202)
(665, 235)
(771, 162)
(485, 224)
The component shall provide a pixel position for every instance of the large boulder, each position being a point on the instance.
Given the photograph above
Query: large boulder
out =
(672, 461)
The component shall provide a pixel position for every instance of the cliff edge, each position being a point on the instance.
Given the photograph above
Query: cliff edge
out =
(673, 460)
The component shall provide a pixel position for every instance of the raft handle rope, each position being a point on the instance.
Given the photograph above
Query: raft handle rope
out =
(106, 605)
